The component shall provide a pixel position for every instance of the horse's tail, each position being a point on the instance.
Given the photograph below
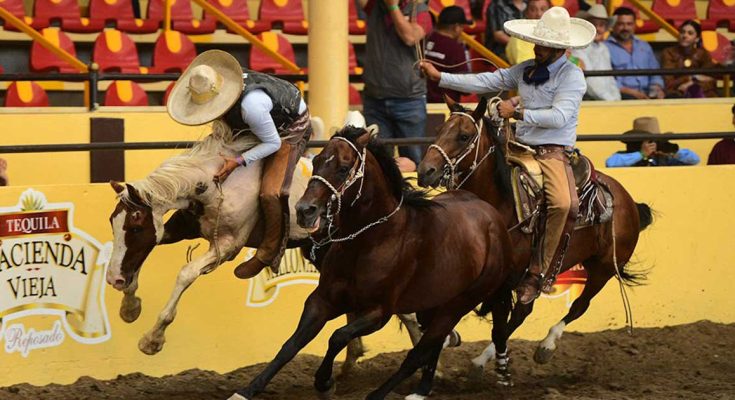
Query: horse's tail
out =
(645, 216)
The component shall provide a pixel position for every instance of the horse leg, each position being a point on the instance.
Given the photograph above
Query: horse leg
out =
(152, 342)
(364, 324)
(130, 306)
(315, 315)
(355, 350)
(412, 325)
(427, 376)
(597, 277)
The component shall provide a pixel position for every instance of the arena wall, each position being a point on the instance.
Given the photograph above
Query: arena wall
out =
(224, 323)
(44, 126)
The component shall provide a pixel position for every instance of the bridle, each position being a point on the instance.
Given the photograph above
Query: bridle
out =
(450, 175)
(356, 173)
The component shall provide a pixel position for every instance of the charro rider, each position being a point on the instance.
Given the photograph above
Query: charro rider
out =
(214, 88)
(551, 90)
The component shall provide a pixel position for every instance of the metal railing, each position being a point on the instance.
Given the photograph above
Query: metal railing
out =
(67, 147)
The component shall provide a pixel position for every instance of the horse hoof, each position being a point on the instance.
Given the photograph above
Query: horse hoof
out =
(543, 355)
(150, 346)
(475, 371)
(415, 396)
(327, 395)
(130, 313)
(236, 396)
(505, 381)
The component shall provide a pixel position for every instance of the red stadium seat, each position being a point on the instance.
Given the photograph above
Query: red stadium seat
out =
(115, 51)
(26, 94)
(173, 52)
(238, 11)
(259, 61)
(16, 8)
(355, 98)
(356, 26)
(168, 92)
(720, 13)
(675, 11)
(288, 13)
(438, 5)
(717, 44)
(182, 17)
(111, 11)
(67, 13)
(43, 60)
(642, 26)
(125, 93)
(352, 59)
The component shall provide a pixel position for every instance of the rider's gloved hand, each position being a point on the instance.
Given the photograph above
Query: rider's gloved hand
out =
(229, 165)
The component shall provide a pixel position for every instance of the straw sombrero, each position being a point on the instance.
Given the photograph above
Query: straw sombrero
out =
(555, 29)
(207, 89)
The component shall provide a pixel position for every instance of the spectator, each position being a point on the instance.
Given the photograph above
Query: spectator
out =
(629, 52)
(395, 94)
(596, 56)
(649, 153)
(519, 50)
(3, 172)
(443, 47)
(724, 150)
(497, 14)
(688, 53)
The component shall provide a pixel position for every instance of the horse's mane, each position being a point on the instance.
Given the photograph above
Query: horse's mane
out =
(398, 184)
(177, 176)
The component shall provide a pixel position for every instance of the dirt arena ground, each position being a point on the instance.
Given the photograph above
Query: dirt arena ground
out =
(695, 361)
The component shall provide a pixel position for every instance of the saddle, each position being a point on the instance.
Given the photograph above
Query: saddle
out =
(595, 198)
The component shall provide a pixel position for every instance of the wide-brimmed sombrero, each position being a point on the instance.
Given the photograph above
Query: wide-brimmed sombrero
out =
(555, 29)
(207, 89)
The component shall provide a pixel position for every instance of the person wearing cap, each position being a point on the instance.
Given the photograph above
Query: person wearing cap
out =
(596, 56)
(214, 89)
(650, 153)
(519, 50)
(551, 90)
(444, 48)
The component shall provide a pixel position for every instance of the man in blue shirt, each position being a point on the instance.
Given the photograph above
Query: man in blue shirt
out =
(629, 52)
(551, 90)
(650, 153)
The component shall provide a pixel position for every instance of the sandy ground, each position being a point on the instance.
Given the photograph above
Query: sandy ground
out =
(695, 361)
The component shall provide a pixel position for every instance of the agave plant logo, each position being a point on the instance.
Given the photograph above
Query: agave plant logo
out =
(48, 267)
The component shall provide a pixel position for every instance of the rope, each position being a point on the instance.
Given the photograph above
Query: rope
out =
(215, 235)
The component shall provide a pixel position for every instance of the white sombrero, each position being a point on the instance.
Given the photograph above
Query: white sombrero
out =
(207, 89)
(555, 29)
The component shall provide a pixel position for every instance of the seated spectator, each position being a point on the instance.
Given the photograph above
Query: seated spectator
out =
(649, 153)
(724, 150)
(629, 52)
(497, 14)
(519, 50)
(3, 172)
(596, 56)
(444, 48)
(688, 53)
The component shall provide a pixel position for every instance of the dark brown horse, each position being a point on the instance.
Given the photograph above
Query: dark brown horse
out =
(489, 178)
(392, 251)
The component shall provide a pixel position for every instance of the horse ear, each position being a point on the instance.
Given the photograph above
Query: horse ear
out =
(117, 187)
(480, 109)
(450, 102)
(133, 194)
(363, 140)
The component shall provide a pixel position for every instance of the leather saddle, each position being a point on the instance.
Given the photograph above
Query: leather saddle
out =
(595, 199)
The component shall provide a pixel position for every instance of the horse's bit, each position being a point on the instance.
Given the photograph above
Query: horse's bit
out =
(356, 173)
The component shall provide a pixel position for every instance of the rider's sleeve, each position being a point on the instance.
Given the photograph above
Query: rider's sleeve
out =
(256, 113)
(502, 79)
(687, 156)
(623, 159)
(565, 105)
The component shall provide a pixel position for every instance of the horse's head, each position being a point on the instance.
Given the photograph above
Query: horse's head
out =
(135, 233)
(455, 140)
(339, 165)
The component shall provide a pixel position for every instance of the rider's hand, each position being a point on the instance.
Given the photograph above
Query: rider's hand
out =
(229, 165)
(506, 108)
(430, 71)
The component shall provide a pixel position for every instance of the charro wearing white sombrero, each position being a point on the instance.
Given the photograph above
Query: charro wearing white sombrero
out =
(551, 90)
(214, 88)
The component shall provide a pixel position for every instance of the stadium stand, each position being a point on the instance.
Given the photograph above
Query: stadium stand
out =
(173, 52)
(259, 61)
(43, 60)
(125, 93)
(114, 51)
(675, 11)
(720, 13)
(642, 26)
(26, 94)
(66, 13)
(238, 11)
(288, 14)
(182, 17)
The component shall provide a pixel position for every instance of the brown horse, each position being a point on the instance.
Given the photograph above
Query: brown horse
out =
(483, 170)
(397, 252)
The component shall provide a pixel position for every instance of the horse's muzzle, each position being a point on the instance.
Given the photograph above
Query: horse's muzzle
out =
(428, 176)
(307, 215)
